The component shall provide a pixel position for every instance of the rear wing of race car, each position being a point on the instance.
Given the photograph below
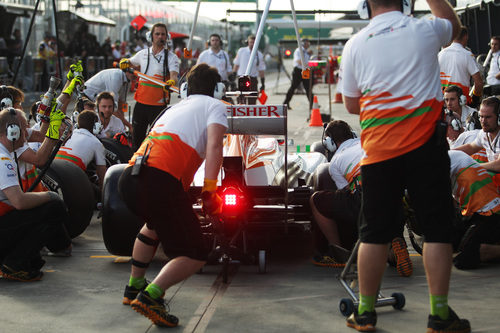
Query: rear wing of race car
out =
(257, 119)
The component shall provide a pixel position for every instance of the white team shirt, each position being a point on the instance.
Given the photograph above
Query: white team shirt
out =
(190, 118)
(85, 146)
(457, 65)
(219, 60)
(243, 58)
(8, 173)
(344, 165)
(492, 146)
(115, 125)
(494, 69)
(464, 138)
(155, 62)
(113, 80)
(297, 59)
(466, 111)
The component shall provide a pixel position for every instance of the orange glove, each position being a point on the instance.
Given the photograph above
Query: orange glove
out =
(211, 202)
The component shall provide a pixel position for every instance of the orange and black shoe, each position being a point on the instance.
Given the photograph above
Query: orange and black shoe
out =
(451, 325)
(363, 323)
(20, 275)
(154, 309)
(403, 261)
(131, 293)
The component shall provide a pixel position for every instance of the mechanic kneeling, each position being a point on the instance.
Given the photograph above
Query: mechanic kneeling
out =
(28, 221)
(155, 186)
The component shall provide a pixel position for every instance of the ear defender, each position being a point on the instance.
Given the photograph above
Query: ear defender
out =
(7, 100)
(329, 144)
(184, 90)
(406, 7)
(364, 10)
(13, 128)
(97, 128)
(220, 90)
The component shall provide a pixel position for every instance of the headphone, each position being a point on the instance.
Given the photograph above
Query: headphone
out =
(13, 128)
(6, 97)
(364, 10)
(328, 142)
(149, 38)
(221, 43)
(97, 128)
(455, 123)
(462, 99)
(219, 90)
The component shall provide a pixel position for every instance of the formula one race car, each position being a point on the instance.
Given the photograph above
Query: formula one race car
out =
(263, 186)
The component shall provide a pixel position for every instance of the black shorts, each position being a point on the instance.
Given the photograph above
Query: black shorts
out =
(425, 173)
(159, 198)
(343, 207)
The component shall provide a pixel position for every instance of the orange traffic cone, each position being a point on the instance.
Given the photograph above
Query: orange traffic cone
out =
(315, 114)
(338, 97)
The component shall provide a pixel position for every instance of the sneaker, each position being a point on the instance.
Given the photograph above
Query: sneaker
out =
(336, 256)
(23, 276)
(452, 324)
(131, 293)
(403, 261)
(154, 309)
(363, 323)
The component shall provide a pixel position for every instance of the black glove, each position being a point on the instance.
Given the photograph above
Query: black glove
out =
(262, 85)
(232, 77)
(476, 101)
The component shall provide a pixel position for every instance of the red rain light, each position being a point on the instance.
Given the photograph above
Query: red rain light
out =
(288, 53)
(230, 200)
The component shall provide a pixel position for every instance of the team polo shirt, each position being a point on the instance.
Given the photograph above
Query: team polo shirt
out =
(28, 171)
(177, 143)
(297, 59)
(457, 65)
(243, 58)
(219, 60)
(82, 148)
(392, 67)
(473, 187)
(344, 165)
(112, 80)
(147, 92)
(492, 146)
(8, 178)
(115, 125)
(494, 69)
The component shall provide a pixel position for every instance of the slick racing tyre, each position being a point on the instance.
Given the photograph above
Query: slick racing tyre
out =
(119, 225)
(74, 187)
(322, 181)
(115, 152)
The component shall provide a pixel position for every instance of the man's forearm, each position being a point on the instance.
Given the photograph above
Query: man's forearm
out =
(492, 166)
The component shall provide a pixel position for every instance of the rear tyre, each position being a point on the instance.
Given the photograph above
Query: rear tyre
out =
(322, 181)
(74, 187)
(119, 225)
(115, 152)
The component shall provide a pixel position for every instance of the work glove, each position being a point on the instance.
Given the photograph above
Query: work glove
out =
(262, 85)
(56, 118)
(211, 202)
(77, 81)
(74, 68)
(54, 196)
(124, 64)
(170, 83)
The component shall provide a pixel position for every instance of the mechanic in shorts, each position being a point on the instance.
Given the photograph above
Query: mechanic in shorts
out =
(154, 186)
(337, 212)
(389, 75)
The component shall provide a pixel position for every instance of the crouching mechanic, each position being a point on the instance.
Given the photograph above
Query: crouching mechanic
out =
(337, 212)
(111, 124)
(166, 162)
(28, 221)
(84, 147)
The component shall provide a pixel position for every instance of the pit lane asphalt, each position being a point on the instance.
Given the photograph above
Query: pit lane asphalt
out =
(83, 293)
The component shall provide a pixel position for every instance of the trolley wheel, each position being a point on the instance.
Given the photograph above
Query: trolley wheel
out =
(346, 307)
(262, 261)
(400, 301)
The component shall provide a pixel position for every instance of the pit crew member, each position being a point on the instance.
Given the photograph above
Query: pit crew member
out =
(336, 212)
(111, 80)
(454, 100)
(151, 98)
(28, 221)
(166, 162)
(390, 77)
(458, 66)
(111, 124)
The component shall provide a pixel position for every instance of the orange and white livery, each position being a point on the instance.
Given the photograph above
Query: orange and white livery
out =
(82, 148)
(396, 115)
(345, 164)
(457, 65)
(473, 188)
(174, 144)
(8, 178)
